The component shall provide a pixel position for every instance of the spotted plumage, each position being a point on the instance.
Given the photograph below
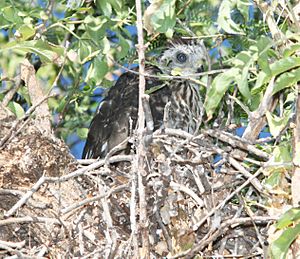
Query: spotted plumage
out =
(118, 111)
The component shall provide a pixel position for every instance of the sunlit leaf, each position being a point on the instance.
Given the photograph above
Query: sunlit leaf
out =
(277, 68)
(82, 132)
(280, 246)
(277, 124)
(286, 80)
(26, 32)
(160, 17)
(243, 7)
(291, 50)
(224, 18)
(244, 60)
(16, 109)
(10, 13)
(288, 218)
(105, 6)
(274, 179)
(47, 52)
(84, 51)
(264, 44)
(97, 70)
(124, 47)
(284, 64)
(96, 28)
(282, 154)
(217, 90)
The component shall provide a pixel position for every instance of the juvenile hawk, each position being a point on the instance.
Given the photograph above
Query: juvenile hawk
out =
(111, 126)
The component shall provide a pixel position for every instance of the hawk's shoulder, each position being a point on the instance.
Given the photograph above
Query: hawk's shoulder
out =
(110, 126)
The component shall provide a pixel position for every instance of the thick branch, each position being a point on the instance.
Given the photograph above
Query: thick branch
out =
(36, 94)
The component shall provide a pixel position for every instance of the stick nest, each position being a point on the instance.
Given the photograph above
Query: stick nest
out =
(197, 202)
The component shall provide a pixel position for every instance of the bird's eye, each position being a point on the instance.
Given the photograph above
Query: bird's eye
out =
(181, 57)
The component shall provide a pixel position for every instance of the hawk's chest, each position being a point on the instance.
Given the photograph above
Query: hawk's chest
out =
(184, 111)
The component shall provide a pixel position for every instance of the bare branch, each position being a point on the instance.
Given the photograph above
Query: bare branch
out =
(36, 94)
(296, 153)
(139, 163)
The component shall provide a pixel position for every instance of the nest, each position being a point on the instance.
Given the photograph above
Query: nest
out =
(192, 197)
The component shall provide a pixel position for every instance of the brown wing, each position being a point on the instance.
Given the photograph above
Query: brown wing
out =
(110, 126)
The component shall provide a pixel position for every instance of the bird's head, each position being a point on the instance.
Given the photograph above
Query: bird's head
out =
(183, 59)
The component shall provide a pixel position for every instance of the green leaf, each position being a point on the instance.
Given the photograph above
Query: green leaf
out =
(26, 31)
(274, 179)
(284, 64)
(291, 50)
(218, 88)
(242, 82)
(96, 28)
(82, 132)
(62, 104)
(97, 71)
(85, 50)
(280, 246)
(224, 18)
(124, 47)
(286, 80)
(277, 124)
(282, 154)
(160, 17)
(288, 218)
(277, 68)
(47, 52)
(263, 45)
(16, 109)
(11, 14)
(117, 5)
(244, 60)
(243, 7)
(261, 79)
(105, 6)
(106, 45)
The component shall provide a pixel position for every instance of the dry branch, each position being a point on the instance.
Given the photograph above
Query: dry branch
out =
(36, 94)
(140, 163)
(296, 153)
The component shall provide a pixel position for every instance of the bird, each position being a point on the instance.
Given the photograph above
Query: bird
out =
(117, 113)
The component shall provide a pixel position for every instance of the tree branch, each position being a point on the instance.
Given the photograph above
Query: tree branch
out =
(139, 163)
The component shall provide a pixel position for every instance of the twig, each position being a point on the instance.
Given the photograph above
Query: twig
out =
(188, 191)
(13, 251)
(121, 146)
(17, 245)
(236, 141)
(223, 229)
(93, 199)
(296, 153)
(255, 182)
(25, 198)
(7, 98)
(110, 233)
(133, 223)
(29, 219)
(139, 163)
(169, 77)
(44, 179)
(148, 114)
(111, 160)
(228, 198)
